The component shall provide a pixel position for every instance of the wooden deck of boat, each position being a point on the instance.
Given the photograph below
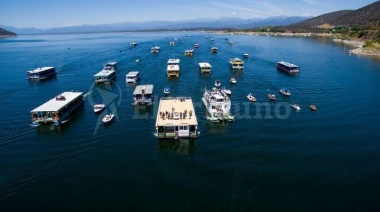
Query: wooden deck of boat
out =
(170, 110)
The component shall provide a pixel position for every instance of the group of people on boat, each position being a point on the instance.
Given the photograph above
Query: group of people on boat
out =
(174, 115)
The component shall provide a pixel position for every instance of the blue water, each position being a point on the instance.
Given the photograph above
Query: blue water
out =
(271, 158)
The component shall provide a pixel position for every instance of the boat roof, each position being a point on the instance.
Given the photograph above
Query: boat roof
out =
(180, 104)
(104, 73)
(214, 47)
(236, 59)
(148, 89)
(172, 68)
(132, 73)
(37, 70)
(204, 65)
(189, 50)
(288, 64)
(218, 96)
(54, 104)
(173, 61)
(111, 63)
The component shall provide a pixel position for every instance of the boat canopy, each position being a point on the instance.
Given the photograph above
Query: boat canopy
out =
(143, 89)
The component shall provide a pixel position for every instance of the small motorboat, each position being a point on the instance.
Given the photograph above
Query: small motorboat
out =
(226, 91)
(99, 108)
(313, 107)
(251, 98)
(108, 118)
(285, 91)
(245, 55)
(233, 80)
(137, 60)
(166, 90)
(296, 106)
(271, 97)
(217, 83)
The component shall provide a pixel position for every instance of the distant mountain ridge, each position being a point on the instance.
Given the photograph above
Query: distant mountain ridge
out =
(221, 23)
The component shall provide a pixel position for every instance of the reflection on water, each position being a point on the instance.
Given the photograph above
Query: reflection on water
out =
(179, 146)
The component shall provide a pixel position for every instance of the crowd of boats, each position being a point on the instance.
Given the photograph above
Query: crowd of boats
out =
(175, 117)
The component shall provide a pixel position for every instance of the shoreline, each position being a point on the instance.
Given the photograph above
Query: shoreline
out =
(359, 46)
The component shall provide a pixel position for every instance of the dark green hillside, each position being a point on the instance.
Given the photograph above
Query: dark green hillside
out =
(4, 32)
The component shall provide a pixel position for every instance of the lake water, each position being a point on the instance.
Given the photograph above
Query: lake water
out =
(271, 158)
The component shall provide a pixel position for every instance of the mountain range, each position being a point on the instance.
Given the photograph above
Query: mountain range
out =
(196, 24)
(365, 16)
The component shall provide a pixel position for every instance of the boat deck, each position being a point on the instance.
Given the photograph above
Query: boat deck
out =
(143, 89)
(172, 109)
(58, 102)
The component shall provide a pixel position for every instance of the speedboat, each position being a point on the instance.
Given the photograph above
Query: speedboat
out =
(245, 55)
(233, 80)
(137, 60)
(108, 118)
(99, 108)
(313, 107)
(217, 83)
(296, 106)
(271, 97)
(285, 91)
(251, 98)
(166, 90)
(226, 91)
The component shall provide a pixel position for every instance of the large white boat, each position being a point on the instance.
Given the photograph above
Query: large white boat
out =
(132, 77)
(288, 67)
(173, 68)
(143, 95)
(236, 64)
(205, 67)
(155, 49)
(189, 52)
(218, 105)
(176, 118)
(107, 74)
(40, 73)
(57, 109)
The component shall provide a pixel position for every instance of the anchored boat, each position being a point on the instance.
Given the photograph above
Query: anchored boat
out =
(57, 109)
(218, 105)
(176, 118)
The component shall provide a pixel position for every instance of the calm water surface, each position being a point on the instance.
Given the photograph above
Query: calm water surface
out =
(271, 158)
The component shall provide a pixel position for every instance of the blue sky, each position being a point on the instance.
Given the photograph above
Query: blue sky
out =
(59, 13)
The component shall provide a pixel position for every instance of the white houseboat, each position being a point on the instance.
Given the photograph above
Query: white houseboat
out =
(205, 67)
(57, 109)
(155, 49)
(218, 105)
(143, 95)
(107, 74)
(176, 118)
(132, 77)
(236, 64)
(173, 68)
(189, 52)
(40, 73)
(288, 67)
(111, 66)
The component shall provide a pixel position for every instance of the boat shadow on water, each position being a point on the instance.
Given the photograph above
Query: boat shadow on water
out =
(182, 146)
(44, 129)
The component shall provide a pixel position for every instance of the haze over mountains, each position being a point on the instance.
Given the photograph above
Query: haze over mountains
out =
(196, 24)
